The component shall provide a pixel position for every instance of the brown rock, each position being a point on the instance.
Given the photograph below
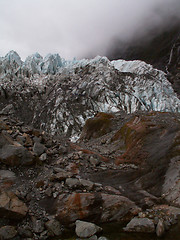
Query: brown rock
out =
(11, 207)
(94, 206)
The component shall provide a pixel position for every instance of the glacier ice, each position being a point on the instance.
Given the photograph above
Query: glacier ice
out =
(73, 91)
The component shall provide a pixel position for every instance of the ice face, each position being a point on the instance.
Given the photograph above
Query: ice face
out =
(13, 57)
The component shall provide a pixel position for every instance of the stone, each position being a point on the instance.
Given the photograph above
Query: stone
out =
(144, 225)
(9, 109)
(7, 232)
(86, 229)
(25, 231)
(102, 238)
(38, 225)
(72, 182)
(86, 184)
(15, 155)
(43, 157)
(11, 207)
(7, 178)
(94, 160)
(38, 148)
(6, 175)
(160, 229)
(54, 227)
(60, 176)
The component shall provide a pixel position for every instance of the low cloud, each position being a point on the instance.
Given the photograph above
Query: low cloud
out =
(78, 28)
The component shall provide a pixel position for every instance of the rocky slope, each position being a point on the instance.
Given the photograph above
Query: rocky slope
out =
(125, 166)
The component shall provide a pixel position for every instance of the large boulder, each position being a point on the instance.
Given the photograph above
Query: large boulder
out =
(11, 207)
(15, 155)
(94, 206)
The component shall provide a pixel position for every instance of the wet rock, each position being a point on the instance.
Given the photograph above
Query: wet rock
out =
(15, 155)
(140, 225)
(54, 227)
(38, 148)
(160, 229)
(11, 207)
(86, 229)
(7, 232)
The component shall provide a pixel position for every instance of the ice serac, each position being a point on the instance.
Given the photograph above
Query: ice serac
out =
(32, 63)
(60, 95)
(51, 64)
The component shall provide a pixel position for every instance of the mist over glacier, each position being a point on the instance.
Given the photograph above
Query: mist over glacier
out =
(79, 28)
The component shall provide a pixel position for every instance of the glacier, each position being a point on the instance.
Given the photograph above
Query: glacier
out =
(72, 91)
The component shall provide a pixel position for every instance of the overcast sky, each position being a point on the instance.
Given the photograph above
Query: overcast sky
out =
(76, 28)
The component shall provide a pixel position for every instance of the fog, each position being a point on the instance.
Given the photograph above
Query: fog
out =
(79, 28)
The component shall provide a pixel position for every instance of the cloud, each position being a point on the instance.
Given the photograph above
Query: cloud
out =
(77, 27)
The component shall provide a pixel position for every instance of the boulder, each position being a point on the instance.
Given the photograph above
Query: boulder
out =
(95, 206)
(86, 229)
(54, 227)
(144, 225)
(11, 207)
(15, 155)
(38, 148)
(7, 232)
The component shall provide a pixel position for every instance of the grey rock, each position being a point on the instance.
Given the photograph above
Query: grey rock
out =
(9, 109)
(25, 231)
(94, 161)
(7, 175)
(140, 225)
(39, 148)
(86, 184)
(7, 232)
(38, 225)
(160, 229)
(72, 182)
(43, 157)
(102, 238)
(54, 227)
(86, 229)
